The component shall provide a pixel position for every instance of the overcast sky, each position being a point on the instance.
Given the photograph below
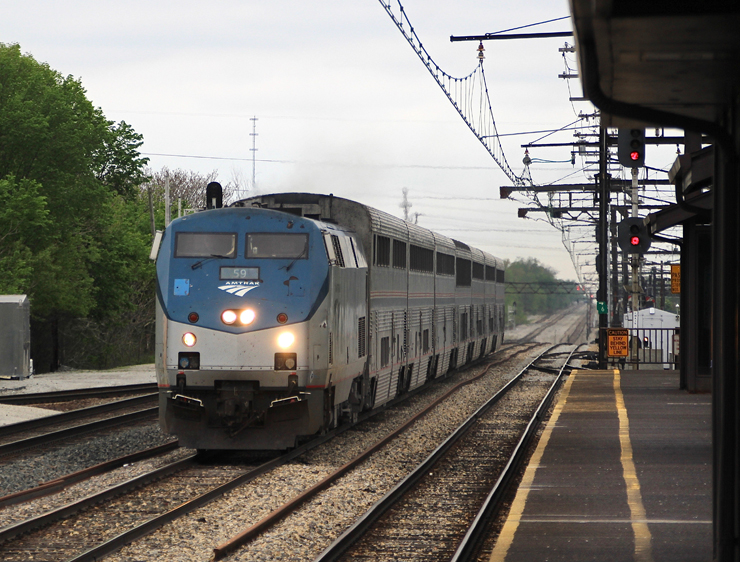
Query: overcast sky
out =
(343, 104)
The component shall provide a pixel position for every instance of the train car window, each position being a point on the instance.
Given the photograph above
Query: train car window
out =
(462, 273)
(399, 254)
(277, 245)
(490, 273)
(422, 259)
(445, 264)
(205, 244)
(477, 270)
(382, 251)
(499, 275)
(385, 351)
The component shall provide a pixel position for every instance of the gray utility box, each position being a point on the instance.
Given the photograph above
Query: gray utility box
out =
(15, 336)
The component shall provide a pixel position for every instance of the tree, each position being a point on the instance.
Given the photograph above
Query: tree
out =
(67, 177)
(186, 185)
(24, 226)
(530, 270)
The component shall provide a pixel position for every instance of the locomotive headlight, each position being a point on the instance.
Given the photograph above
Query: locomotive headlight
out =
(189, 339)
(285, 340)
(247, 316)
(228, 316)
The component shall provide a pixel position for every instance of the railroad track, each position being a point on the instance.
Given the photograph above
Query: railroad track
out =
(442, 510)
(58, 484)
(84, 548)
(543, 325)
(77, 394)
(51, 429)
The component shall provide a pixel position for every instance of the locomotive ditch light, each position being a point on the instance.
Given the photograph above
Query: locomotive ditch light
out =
(189, 339)
(286, 362)
(285, 340)
(247, 316)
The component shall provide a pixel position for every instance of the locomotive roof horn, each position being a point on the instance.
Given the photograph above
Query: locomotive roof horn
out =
(214, 195)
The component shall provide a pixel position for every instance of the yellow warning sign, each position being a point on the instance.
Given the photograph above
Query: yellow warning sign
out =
(675, 278)
(617, 342)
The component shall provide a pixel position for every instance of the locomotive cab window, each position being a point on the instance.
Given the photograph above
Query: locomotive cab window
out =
(273, 245)
(205, 244)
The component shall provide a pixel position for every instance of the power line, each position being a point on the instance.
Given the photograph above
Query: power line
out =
(324, 163)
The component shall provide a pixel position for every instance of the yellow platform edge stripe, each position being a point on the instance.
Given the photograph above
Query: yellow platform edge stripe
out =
(643, 537)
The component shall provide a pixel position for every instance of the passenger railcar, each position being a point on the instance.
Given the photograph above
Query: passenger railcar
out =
(280, 315)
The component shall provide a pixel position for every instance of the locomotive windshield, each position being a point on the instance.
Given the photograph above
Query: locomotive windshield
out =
(205, 244)
(277, 245)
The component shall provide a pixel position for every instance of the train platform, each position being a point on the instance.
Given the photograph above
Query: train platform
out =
(66, 380)
(622, 471)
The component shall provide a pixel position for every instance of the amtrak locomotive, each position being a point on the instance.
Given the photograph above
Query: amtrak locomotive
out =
(281, 315)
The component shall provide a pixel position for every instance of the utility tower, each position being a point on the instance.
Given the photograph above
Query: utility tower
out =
(405, 204)
(253, 150)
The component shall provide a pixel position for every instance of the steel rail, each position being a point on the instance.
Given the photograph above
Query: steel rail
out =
(156, 522)
(356, 531)
(76, 394)
(72, 415)
(15, 446)
(541, 327)
(478, 529)
(58, 484)
(44, 519)
(151, 525)
(223, 549)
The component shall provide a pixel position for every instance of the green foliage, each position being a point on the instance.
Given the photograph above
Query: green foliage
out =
(24, 226)
(71, 230)
(530, 270)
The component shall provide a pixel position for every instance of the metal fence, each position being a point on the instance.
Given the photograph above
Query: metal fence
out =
(650, 348)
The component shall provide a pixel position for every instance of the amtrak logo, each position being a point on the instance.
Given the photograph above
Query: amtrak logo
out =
(239, 288)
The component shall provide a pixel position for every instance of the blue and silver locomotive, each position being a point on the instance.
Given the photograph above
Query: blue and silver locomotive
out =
(281, 315)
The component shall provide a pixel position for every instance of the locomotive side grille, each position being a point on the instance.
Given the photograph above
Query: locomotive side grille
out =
(337, 250)
(405, 333)
(361, 336)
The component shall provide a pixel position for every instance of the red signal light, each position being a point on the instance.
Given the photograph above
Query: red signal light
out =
(635, 240)
(634, 155)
